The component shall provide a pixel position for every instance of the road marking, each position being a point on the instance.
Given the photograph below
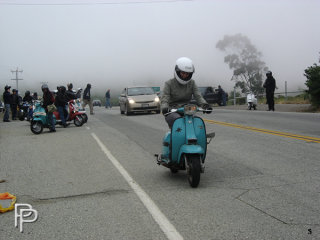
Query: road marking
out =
(276, 133)
(168, 229)
(88, 128)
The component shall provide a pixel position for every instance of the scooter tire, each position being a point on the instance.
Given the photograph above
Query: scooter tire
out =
(193, 169)
(174, 170)
(36, 127)
(78, 121)
(84, 117)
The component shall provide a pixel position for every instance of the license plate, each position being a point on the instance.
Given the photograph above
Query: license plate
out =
(145, 105)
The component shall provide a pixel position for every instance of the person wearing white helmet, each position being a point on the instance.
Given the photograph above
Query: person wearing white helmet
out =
(179, 90)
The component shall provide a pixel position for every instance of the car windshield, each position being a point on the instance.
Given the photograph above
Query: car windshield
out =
(202, 90)
(140, 91)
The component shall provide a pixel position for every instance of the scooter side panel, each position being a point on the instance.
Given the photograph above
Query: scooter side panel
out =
(166, 145)
(178, 136)
(200, 131)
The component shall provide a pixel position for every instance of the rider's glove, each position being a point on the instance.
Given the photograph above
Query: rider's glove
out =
(165, 111)
(207, 108)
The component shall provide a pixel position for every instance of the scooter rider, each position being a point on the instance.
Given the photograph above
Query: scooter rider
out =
(179, 90)
(70, 94)
(61, 103)
(48, 99)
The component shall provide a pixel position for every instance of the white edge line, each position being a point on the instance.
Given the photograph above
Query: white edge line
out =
(168, 229)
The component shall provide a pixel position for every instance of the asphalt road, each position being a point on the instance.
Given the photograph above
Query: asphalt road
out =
(101, 180)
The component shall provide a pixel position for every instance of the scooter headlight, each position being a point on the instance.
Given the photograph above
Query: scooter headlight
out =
(190, 109)
(156, 99)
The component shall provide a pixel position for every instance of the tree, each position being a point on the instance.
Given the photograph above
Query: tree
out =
(243, 57)
(312, 74)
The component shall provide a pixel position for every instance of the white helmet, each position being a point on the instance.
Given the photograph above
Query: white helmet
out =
(183, 64)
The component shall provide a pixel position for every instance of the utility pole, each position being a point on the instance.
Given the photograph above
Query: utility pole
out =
(17, 79)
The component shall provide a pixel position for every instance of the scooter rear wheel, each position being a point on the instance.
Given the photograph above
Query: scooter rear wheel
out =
(193, 169)
(36, 127)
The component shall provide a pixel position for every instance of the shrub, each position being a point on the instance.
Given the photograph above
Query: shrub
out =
(312, 74)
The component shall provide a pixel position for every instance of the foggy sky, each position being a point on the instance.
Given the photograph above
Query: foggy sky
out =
(118, 45)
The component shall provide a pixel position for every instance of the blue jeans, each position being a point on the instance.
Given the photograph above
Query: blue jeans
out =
(108, 104)
(50, 121)
(61, 113)
(6, 113)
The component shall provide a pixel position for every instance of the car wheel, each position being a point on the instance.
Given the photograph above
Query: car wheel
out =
(127, 112)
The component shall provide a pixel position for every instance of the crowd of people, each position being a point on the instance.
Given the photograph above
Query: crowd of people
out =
(13, 101)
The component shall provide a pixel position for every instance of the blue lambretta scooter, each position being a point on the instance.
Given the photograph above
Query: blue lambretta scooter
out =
(40, 119)
(185, 146)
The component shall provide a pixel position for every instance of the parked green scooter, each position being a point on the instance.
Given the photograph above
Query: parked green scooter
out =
(40, 119)
(185, 146)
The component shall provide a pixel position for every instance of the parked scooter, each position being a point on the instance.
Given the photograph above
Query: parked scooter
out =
(185, 145)
(252, 101)
(40, 119)
(78, 107)
(25, 111)
(74, 115)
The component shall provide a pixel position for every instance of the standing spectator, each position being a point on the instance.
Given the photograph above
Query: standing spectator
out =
(48, 99)
(61, 102)
(14, 103)
(108, 104)
(87, 98)
(270, 86)
(222, 96)
(7, 103)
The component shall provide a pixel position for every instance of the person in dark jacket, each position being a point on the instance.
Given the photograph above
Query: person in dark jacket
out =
(270, 86)
(61, 102)
(28, 98)
(35, 96)
(7, 103)
(222, 96)
(48, 99)
(87, 98)
(14, 103)
(108, 104)
(70, 94)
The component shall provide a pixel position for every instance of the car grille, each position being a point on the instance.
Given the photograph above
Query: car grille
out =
(145, 108)
(144, 102)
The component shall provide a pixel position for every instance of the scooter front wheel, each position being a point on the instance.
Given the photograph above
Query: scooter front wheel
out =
(36, 127)
(84, 117)
(193, 167)
(78, 121)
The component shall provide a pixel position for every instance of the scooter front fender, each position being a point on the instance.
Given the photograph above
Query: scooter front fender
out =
(190, 149)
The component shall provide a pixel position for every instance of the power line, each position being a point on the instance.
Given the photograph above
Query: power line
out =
(94, 3)
(17, 79)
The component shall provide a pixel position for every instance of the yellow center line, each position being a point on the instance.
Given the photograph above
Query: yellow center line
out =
(276, 133)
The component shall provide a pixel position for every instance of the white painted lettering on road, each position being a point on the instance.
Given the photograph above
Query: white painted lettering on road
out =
(168, 229)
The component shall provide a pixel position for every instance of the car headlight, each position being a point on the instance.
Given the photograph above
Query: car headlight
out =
(131, 101)
(156, 99)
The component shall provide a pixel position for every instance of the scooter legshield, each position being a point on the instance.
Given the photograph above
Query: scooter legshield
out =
(180, 142)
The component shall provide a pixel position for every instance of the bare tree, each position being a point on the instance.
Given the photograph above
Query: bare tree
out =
(243, 57)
